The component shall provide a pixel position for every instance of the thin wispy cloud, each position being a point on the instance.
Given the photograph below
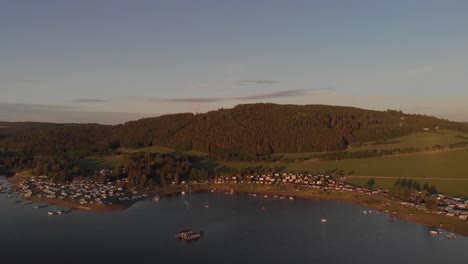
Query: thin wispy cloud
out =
(256, 82)
(192, 100)
(271, 95)
(278, 94)
(22, 106)
(61, 114)
(86, 100)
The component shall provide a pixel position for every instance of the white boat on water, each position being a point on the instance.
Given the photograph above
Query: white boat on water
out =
(433, 232)
(156, 198)
(54, 212)
(183, 193)
(323, 220)
(291, 198)
(451, 235)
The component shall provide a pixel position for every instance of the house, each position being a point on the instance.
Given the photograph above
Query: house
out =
(104, 172)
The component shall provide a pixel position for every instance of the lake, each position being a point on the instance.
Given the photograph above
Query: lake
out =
(238, 229)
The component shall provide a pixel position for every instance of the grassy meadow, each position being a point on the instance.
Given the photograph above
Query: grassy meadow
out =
(421, 141)
(443, 164)
(439, 168)
(97, 163)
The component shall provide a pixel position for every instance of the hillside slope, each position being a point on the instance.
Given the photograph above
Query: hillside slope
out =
(251, 128)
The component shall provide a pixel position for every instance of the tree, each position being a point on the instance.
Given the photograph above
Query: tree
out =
(370, 183)
(416, 186)
(397, 182)
(431, 204)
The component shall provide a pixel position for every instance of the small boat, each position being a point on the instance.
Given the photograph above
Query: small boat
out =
(206, 205)
(265, 196)
(323, 220)
(364, 212)
(433, 232)
(291, 198)
(212, 190)
(451, 235)
(183, 193)
(54, 212)
(156, 198)
(188, 235)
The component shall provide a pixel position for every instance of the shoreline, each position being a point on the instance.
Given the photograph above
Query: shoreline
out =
(378, 203)
(72, 205)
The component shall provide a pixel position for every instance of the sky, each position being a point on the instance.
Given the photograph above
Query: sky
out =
(111, 61)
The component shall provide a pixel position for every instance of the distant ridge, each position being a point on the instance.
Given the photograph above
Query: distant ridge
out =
(255, 128)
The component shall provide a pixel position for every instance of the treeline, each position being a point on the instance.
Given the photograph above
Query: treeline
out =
(12, 161)
(411, 190)
(358, 154)
(406, 186)
(66, 141)
(59, 170)
(252, 131)
(150, 169)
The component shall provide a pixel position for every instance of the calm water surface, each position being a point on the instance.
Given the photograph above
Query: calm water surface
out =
(237, 230)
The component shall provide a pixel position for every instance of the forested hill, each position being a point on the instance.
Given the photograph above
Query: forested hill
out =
(252, 128)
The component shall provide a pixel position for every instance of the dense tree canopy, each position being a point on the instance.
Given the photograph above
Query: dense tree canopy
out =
(254, 130)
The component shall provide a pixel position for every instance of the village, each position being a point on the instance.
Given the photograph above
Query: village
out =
(449, 206)
(81, 191)
(88, 192)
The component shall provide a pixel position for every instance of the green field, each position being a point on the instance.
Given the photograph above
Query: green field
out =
(97, 163)
(443, 164)
(155, 149)
(450, 163)
(421, 141)
(450, 187)
(166, 150)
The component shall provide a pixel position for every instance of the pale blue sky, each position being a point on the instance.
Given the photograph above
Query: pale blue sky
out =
(110, 61)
